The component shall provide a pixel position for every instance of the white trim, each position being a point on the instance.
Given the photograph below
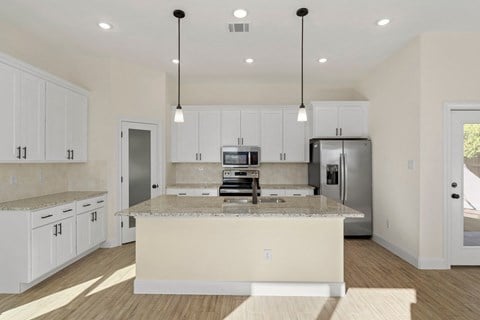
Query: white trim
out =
(405, 255)
(433, 264)
(23, 66)
(293, 289)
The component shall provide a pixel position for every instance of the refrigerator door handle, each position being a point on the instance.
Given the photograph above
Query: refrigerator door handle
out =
(345, 169)
(341, 177)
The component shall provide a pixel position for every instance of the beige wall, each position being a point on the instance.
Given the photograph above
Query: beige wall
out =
(393, 89)
(450, 72)
(303, 250)
(118, 90)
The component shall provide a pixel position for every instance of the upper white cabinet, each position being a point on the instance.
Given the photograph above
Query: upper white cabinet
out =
(41, 120)
(283, 138)
(340, 119)
(198, 138)
(66, 125)
(240, 127)
(22, 125)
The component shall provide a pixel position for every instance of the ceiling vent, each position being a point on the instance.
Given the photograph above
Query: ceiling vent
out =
(238, 27)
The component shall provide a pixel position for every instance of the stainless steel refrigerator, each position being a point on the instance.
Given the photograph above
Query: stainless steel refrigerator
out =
(342, 170)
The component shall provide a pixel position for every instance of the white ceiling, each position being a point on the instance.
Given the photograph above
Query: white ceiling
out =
(342, 30)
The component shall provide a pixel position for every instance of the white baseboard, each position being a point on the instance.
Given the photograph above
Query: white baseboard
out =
(433, 264)
(405, 255)
(111, 244)
(294, 289)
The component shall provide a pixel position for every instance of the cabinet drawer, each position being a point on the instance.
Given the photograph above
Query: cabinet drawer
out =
(272, 192)
(90, 204)
(193, 192)
(100, 201)
(298, 192)
(46, 216)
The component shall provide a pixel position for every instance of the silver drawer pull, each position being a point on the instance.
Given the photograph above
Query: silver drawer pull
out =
(87, 205)
(101, 201)
(297, 194)
(206, 194)
(182, 193)
(274, 194)
(68, 210)
(48, 216)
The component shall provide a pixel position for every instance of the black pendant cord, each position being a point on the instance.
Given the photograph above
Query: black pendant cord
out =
(178, 67)
(302, 66)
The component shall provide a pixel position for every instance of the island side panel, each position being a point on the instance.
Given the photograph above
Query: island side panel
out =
(232, 249)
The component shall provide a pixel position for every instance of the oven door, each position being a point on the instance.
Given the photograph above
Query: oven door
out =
(235, 159)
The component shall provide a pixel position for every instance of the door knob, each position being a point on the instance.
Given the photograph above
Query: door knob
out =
(454, 184)
(155, 186)
(455, 196)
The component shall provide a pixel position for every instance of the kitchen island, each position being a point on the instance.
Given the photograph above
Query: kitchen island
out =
(217, 245)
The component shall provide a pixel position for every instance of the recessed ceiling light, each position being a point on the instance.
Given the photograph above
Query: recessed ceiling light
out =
(175, 61)
(240, 13)
(249, 60)
(383, 22)
(322, 60)
(105, 26)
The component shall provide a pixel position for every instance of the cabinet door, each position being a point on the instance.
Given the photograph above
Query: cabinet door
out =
(209, 136)
(76, 125)
(32, 117)
(325, 121)
(9, 100)
(65, 241)
(99, 234)
(84, 232)
(43, 250)
(230, 128)
(272, 136)
(353, 121)
(186, 137)
(294, 137)
(56, 130)
(250, 128)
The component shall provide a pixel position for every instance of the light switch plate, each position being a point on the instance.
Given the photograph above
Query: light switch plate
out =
(411, 164)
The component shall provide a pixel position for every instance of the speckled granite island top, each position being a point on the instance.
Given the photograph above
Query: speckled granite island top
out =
(173, 206)
(48, 201)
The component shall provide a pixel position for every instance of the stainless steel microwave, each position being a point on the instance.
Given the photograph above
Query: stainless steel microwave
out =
(240, 156)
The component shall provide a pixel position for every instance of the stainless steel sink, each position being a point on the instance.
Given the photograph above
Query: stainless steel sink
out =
(260, 200)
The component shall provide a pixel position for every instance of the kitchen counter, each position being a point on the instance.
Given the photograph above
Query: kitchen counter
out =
(307, 207)
(48, 201)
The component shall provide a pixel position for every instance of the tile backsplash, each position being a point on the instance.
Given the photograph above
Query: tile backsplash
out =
(270, 173)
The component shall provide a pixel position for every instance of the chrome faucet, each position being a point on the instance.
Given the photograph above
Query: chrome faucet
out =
(254, 191)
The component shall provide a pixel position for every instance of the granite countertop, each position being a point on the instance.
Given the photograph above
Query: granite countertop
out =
(48, 201)
(286, 186)
(173, 206)
(194, 186)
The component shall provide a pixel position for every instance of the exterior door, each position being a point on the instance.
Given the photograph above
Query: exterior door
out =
(140, 163)
(464, 188)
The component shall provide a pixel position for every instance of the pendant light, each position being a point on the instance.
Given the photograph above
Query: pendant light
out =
(179, 14)
(302, 112)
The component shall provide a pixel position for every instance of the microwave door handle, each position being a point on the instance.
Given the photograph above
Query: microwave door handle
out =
(249, 158)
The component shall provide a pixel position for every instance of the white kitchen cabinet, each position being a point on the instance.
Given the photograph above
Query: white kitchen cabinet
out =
(65, 240)
(240, 127)
(66, 125)
(298, 192)
(22, 125)
(193, 192)
(90, 223)
(198, 138)
(340, 119)
(283, 137)
(282, 192)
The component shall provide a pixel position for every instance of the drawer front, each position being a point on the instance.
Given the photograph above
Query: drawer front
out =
(298, 192)
(46, 216)
(90, 204)
(206, 192)
(197, 192)
(100, 201)
(272, 192)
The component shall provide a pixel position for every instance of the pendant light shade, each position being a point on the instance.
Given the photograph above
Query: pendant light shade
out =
(302, 112)
(179, 14)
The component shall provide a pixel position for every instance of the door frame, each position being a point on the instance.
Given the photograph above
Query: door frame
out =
(447, 212)
(161, 165)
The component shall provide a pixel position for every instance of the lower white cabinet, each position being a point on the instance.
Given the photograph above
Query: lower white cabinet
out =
(37, 243)
(52, 246)
(274, 192)
(193, 192)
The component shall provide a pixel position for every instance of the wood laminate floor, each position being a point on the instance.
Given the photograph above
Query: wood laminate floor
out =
(380, 286)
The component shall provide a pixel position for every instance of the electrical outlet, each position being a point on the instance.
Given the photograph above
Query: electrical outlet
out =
(267, 254)
(411, 164)
(388, 224)
(13, 179)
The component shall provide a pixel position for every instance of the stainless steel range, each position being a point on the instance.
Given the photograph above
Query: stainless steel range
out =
(240, 183)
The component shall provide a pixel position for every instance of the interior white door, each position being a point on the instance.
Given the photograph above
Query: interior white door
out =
(325, 121)
(140, 180)
(76, 125)
(32, 117)
(9, 100)
(209, 136)
(464, 188)
(56, 126)
(272, 136)
(352, 120)
(230, 127)
(294, 137)
(186, 137)
(250, 128)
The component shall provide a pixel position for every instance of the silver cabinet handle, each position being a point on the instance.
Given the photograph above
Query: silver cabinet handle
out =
(73, 155)
(284, 156)
(205, 193)
(341, 132)
(60, 230)
(273, 194)
(238, 141)
(55, 228)
(200, 157)
(47, 216)
(336, 132)
(297, 194)
(24, 152)
(87, 205)
(68, 210)
(93, 217)
(242, 141)
(19, 150)
(196, 156)
(281, 156)
(182, 193)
